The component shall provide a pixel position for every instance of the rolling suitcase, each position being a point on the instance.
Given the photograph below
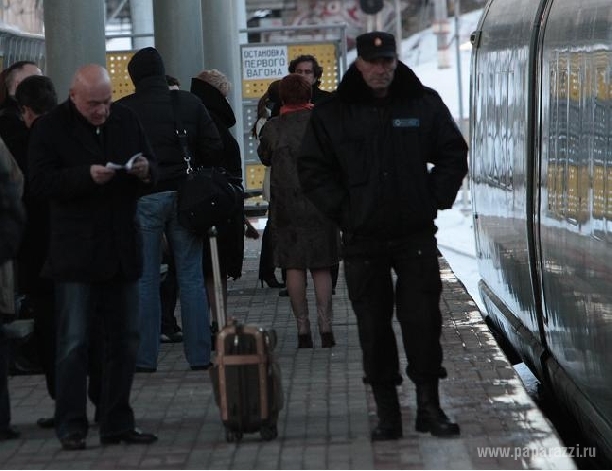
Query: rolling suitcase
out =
(245, 377)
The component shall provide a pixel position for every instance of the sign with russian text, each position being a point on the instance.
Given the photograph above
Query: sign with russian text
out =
(264, 62)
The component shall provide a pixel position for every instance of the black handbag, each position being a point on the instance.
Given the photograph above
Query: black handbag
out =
(209, 196)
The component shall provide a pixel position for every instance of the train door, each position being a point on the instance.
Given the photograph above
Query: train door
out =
(501, 170)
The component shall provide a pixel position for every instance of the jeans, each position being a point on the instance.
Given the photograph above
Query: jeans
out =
(111, 309)
(416, 296)
(157, 214)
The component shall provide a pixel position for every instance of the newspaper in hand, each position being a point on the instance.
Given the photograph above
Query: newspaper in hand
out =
(127, 166)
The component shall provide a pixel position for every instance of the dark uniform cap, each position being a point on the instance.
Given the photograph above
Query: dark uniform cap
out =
(376, 44)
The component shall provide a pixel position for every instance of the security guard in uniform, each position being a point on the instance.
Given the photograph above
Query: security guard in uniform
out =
(380, 158)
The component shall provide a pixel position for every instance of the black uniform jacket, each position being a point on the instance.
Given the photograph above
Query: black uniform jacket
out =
(94, 231)
(382, 168)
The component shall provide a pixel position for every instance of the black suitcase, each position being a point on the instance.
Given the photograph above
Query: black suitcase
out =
(246, 377)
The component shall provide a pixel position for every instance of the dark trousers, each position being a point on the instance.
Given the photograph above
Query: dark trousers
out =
(168, 292)
(114, 305)
(416, 296)
(42, 306)
(335, 269)
(266, 258)
(5, 405)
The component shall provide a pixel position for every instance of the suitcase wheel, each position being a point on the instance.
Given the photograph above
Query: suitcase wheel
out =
(268, 432)
(232, 436)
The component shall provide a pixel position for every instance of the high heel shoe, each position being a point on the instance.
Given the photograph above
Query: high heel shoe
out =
(272, 282)
(327, 340)
(305, 341)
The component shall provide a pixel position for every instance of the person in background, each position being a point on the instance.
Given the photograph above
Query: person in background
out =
(364, 163)
(305, 238)
(36, 96)
(12, 222)
(308, 66)
(212, 87)
(170, 331)
(159, 114)
(267, 268)
(13, 131)
(95, 249)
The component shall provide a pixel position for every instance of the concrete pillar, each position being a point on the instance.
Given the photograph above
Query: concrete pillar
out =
(441, 27)
(142, 23)
(221, 21)
(178, 37)
(74, 36)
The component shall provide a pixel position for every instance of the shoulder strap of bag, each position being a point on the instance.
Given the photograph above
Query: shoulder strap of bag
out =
(181, 131)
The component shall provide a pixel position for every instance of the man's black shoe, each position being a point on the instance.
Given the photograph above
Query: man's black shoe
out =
(201, 367)
(380, 434)
(436, 422)
(131, 437)
(9, 434)
(46, 422)
(73, 441)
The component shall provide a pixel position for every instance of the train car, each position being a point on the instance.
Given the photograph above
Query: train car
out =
(541, 174)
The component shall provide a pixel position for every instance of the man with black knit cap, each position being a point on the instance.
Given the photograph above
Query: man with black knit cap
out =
(380, 158)
(160, 111)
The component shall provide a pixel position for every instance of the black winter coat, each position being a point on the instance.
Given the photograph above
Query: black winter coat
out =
(364, 162)
(14, 132)
(231, 237)
(33, 250)
(94, 231)
(12, 214)
(153, 105)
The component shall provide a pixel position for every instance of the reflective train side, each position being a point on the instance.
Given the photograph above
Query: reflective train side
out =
(541, 174)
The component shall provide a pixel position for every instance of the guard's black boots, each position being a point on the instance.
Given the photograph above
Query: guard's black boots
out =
(430, 417)
(389, 413)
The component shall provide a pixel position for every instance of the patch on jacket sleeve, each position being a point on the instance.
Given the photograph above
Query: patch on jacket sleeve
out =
(406, 122)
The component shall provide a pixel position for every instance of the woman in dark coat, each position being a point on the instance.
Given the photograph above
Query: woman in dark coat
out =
(212, 87)
(305, 238)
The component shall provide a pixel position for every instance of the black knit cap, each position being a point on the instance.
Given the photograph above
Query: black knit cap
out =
(376, 44)
(146, 63)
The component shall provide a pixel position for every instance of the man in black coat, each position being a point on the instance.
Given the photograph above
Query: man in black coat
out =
(380, 158)
(162, 113)
(77, 155)
(36, 96)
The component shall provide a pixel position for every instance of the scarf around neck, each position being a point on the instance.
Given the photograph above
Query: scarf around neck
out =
(296, 107)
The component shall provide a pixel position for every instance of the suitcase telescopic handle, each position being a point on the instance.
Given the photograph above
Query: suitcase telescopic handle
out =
(214, 258)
